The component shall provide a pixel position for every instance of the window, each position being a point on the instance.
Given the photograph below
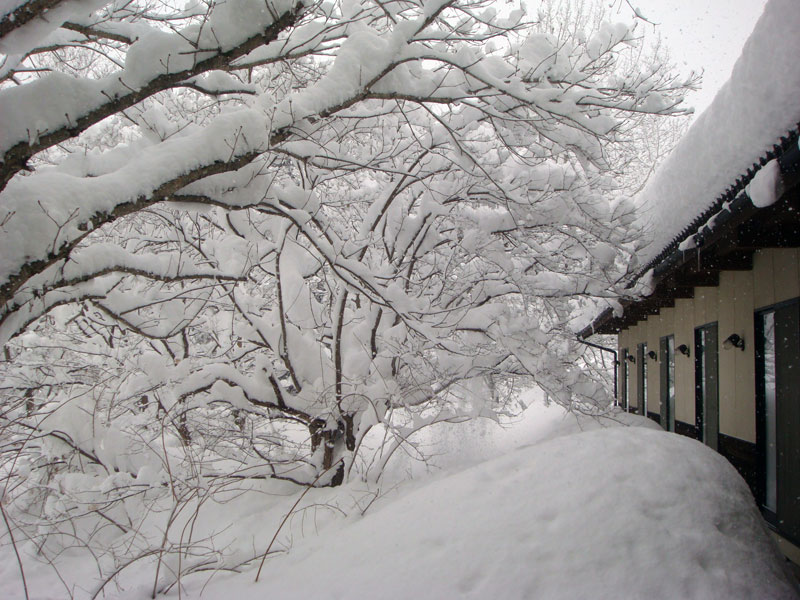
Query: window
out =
(777, 345)
(767, 355)
(624, 378)
(641, 361)
(706, 386)
(668, 382)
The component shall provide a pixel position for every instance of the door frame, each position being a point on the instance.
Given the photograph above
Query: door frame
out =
(761, 419)
(641, 377)
(701, 407)
(667, 408)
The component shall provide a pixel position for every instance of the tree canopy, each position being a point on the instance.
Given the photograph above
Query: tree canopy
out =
(237, 237)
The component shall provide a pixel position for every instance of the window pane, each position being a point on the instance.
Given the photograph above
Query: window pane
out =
(670, 358)
(644, 380)
(706, 385)
(628, 385)
(769, 409)
(626, 379)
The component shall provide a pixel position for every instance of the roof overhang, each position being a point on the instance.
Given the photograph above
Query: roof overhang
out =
(723, 239)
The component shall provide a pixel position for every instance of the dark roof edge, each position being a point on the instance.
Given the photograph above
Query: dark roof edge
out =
(596, 323)
(787, 143)
(734, 202)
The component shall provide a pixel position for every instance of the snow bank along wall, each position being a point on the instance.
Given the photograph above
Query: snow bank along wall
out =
(713, 352)
(743, 402)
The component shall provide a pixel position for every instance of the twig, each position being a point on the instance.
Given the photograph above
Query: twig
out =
(16, 551)
(288, 514)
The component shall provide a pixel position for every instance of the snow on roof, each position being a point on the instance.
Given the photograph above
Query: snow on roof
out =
(756, 107)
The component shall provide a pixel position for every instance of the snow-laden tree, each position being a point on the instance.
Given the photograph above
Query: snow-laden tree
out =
(236, 236)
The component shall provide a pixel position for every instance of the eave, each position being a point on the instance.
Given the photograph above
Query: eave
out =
(725, 237)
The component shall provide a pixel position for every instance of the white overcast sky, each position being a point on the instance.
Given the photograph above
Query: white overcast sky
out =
(702, 35)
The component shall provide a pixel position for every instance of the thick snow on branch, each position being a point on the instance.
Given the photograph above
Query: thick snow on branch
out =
(257, 231)
(25, 23)
(49, 210)
(53, 108)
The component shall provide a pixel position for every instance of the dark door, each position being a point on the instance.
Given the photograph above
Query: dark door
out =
(778, 389)
(641, 370)
(667, 355)
(624, 373)
(706, 373)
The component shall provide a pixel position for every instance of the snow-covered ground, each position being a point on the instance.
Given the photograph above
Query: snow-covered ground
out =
(555, 506)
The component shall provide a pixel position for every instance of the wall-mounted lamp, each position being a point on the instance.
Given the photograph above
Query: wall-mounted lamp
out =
(683, 349)
(734, 341)
(652, 354)
(631, 358)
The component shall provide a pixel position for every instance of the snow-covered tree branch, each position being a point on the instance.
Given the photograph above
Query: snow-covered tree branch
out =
(238, 236)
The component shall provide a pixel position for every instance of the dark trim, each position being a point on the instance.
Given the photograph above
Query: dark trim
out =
(641, 377)
(777, 306)
(744, 456)
(788, 155)
(787, 354)
(726, 241)
(667, 411)
(760, 487)
(687, 430)
(771, 518)
(624, 377)
(711, 383)
(654, 416)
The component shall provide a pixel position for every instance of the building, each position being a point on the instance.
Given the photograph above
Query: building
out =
(712, 349)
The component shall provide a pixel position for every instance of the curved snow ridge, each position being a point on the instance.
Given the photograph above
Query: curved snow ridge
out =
(622, 512)
(748, 116)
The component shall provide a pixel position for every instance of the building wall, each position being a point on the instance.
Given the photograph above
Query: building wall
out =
(737, 389)
(776, 275)
(775, 278)
(684, 365)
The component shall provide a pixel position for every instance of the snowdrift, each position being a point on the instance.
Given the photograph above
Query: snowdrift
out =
(623, 512)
